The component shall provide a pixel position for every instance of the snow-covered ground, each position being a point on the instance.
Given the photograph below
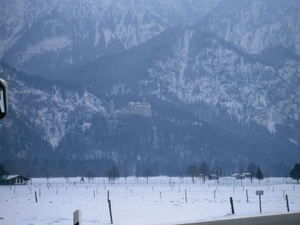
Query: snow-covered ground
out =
(163, 200)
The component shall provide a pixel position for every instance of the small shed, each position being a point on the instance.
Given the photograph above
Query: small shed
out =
(14, 180)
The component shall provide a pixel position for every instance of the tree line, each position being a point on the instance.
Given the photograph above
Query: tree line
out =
(103, 167)
(252, 171)
(202, 171)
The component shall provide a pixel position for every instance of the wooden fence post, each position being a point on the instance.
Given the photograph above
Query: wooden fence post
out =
(232, 207)
(109, 207)
(36, 199)
(287, 203)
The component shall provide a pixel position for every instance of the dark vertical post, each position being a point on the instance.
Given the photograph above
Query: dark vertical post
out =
(260, 203)
(110, 213)
(3, 98)
(287, 203)
(247, 195)
(109, 206)
(36, 200)
(232, 207)
(185, 195)
(259, 193)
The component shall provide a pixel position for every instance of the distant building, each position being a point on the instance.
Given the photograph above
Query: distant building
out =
(238, 176)
(13, 180)
(140, 108)
(247, 175)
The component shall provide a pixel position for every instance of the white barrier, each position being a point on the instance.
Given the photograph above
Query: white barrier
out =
(77, 217)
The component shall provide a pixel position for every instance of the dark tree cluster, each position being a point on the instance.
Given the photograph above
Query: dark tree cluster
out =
(295, 172)
(3, 170)
(198, 171)
(113, 174)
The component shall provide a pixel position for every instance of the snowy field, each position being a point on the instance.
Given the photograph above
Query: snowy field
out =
(163, 200)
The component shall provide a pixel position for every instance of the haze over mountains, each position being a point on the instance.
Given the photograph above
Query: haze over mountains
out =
(221, 77)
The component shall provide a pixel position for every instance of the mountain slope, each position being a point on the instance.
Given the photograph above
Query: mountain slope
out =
(60, 35)
(50, 108)
(56, 124)
(255, 25)
(215, 97)
(190, 66)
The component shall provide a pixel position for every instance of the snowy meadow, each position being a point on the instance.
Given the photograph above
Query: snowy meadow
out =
(163, 200)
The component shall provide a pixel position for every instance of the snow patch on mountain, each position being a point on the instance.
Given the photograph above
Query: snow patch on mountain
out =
(293, 141)
(97, 35)
(107, 36)
(182, 53)
(51, 111)
(88, 26)
(254, 25)
(17, 16)
(217, 74)
(49, 44)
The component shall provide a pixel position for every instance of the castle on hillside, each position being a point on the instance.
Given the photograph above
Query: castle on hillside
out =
(138, 108)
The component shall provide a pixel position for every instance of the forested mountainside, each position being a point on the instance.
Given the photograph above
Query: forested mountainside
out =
(148, 89)
(53, 122)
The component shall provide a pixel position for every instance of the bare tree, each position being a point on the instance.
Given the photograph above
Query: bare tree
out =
(204, 170)
(252, 169)
(192, 171)
(90, 175)
(113, 174)
(147, 174)
(125, 174)
(181, 177)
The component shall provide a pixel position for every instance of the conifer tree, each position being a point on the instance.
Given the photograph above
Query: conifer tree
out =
(259, 175)
(3, 171)
(295, 172)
